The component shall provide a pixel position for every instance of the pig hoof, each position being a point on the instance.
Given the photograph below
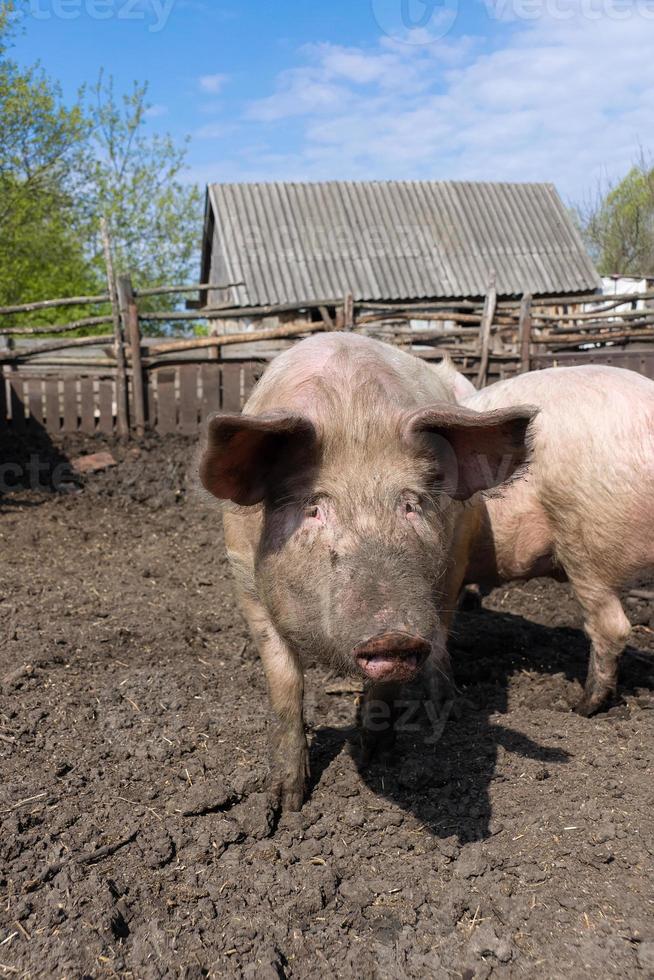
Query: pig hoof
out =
(289, 774)
(584, 708)
(374, 745)
(471, 599)
(293, 798)
(288, 796)
(592, 703)
(289, 790)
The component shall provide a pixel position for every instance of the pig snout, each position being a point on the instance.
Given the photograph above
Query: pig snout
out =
(395, 656)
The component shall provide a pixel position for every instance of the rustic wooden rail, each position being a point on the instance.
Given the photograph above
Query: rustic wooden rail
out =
(70, 327)
(111, 394)
(127, 383)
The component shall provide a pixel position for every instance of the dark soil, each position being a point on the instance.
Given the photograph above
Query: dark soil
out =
(136, 837)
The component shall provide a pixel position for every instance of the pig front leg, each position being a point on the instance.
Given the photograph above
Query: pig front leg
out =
(290, 756)
(441, 701)
(608, 630)
(376, 720)
(290, 772)
(442, 694)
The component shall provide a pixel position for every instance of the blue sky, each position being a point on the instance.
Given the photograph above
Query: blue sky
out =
(559, 90)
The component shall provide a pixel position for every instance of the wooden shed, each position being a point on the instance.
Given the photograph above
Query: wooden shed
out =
(309, 245)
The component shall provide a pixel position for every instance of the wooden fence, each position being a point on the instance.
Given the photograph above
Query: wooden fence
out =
(122, 382)
(632, 359)
(177, 398)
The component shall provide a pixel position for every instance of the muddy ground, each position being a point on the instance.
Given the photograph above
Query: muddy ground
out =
(137, 840)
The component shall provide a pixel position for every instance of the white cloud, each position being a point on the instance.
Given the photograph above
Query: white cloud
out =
(212, 84)
(567, 97)
(156, 111)
(214, 131)
(338, 77)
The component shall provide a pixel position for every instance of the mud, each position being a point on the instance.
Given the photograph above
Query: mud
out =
(136, 837)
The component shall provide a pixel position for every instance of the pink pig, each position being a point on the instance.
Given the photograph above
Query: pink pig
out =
(344, 479)
(585, 510)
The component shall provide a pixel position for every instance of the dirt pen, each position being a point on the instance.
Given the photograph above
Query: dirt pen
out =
(136, 838)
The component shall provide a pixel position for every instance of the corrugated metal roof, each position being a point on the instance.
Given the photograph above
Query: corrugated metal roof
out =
(392, 240)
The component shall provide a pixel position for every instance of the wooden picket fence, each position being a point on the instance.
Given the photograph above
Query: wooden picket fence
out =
(178, 398)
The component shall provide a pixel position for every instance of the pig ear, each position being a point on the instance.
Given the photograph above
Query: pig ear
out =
(245, 453)
(474, 450)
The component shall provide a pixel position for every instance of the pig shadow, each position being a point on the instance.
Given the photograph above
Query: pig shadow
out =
(446, 785)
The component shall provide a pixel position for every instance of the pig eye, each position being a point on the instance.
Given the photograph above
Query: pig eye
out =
(314, 512)
(411, 507)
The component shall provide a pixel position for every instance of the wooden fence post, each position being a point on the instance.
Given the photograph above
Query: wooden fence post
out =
(488, 315)
(122, 416)
(15, 403)
(348, 311)
(326, 319)
(5, 344)
(524, 333)
(129, 316)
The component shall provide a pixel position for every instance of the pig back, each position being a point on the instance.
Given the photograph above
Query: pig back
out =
(303, 376)
(589, 493)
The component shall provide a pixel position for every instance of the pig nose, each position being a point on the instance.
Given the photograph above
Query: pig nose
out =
(394, 656)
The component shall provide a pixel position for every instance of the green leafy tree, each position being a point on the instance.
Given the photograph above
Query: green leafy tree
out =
(619, 226)
(65, 168)
(41, 252)
(135, 180)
